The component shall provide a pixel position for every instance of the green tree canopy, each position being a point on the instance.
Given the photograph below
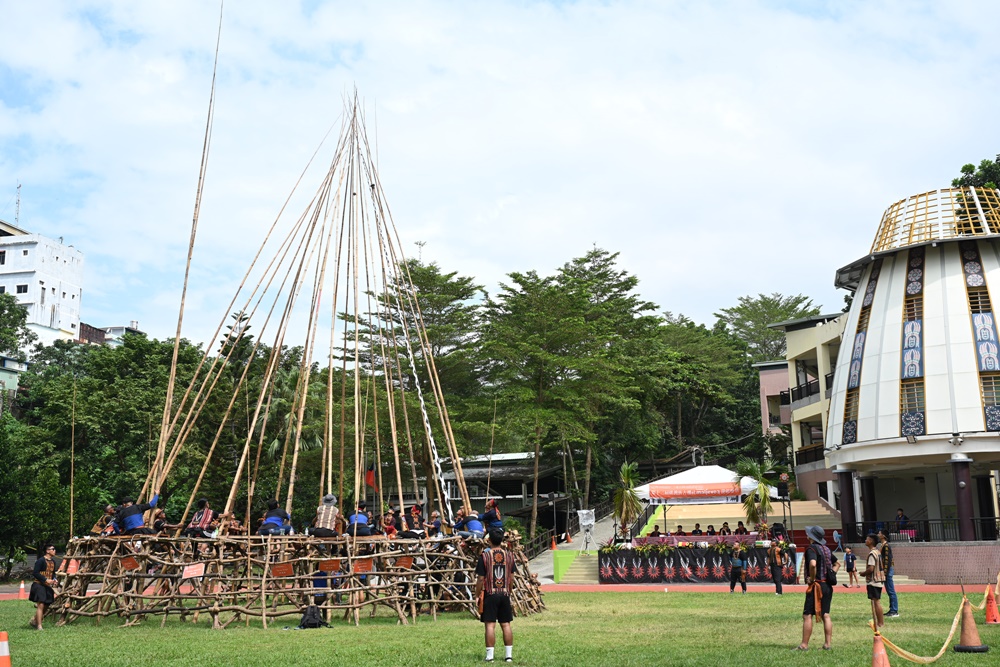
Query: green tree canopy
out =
(15, 336)
(986, 175)
(749, 320)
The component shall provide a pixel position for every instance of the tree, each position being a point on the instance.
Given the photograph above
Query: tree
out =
(15, 336)
(986, 175)
(627, 506)
(757, 504)
(749, 322)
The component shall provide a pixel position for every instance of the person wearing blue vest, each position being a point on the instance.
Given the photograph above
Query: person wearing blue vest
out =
(357, 523)
(130, 519)
(276, 520)
(737, 571)
(491, 518)
(468, 526)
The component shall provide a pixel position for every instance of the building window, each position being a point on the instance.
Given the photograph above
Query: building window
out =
(22, 289)
(851, 405)
(979, 300)
(64, 295)
(913, 308)
(3, 257)
(990, 383)
(911, 395)
(25, 253)
(863, 319)
(3, 290)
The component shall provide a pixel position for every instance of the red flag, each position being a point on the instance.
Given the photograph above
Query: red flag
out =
(370, 477)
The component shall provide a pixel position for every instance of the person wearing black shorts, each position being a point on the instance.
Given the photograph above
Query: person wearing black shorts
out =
(875, 576)
(495, 578)
(820, 566)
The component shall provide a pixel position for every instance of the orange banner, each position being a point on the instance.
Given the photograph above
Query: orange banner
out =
(711, 490)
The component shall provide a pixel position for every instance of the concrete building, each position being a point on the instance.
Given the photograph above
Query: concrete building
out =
(773, 385)
(914, 420)
(812, 350)
(46, 276)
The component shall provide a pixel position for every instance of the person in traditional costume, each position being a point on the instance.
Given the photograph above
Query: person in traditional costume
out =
(42, 593)
(495, 580)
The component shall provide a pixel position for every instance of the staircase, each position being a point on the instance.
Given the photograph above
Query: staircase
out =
(583, 570)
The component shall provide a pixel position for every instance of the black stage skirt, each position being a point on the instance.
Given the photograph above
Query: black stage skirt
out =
(41, 593)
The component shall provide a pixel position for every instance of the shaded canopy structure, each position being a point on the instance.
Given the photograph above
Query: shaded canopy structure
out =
(701, 485)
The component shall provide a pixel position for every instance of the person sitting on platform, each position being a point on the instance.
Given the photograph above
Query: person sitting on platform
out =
(201, 523)
(325, 523)
(130, 520)
(680, 532)
(491, 518)
(711, 530)
(725, 530)
(468, 526)
(160, 524)
(415, 528)
(740, 529)
(434, 525)
(697, 530)
(656, 531)
(276, 520)
(389, 527)
(106, 524)
(357, 523)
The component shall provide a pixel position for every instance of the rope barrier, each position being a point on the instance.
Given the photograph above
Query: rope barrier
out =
(986, 595)
(920, 660)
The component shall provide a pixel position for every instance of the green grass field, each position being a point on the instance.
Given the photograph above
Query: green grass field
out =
(578, 629)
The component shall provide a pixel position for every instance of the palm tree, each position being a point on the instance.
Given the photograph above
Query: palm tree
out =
(757, 504)
(628, 507)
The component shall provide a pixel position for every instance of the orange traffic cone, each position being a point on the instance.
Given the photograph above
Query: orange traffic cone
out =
(569, 540)
(970, 642)
(554, 543)
(22, 594)
(879, 657)
(992, 613)
(4, 650)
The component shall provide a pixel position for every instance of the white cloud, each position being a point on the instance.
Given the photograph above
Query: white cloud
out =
(722, 148)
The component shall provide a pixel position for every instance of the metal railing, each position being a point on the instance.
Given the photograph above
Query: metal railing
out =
(541, 542)
(931, 530)
(829, 380)
(810, 454)
(806, 390)
(784, 398)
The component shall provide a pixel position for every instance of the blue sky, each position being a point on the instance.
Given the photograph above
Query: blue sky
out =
(722, 148)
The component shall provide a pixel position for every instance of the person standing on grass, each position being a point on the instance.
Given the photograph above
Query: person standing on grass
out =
(850, 561)
(889, 570)
(41, 588)
(495, 581)
(820, 565)
(737, 568)
(777, 559)
(874, 576)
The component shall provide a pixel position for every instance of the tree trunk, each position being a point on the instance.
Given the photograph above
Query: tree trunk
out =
(586, 480)
(534, 500)
(572, 471)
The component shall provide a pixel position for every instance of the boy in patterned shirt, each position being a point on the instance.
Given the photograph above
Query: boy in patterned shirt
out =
(495, 579)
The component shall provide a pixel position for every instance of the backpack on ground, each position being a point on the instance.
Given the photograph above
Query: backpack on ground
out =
(312, 619)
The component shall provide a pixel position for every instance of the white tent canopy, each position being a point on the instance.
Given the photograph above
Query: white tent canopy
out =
(696, 486)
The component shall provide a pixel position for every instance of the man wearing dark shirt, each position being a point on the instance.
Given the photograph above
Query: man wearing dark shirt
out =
(130, 516)
(495, 579)
(819, 563)
(889, 570)
(276, 520)
(41, 588)
(697, 530)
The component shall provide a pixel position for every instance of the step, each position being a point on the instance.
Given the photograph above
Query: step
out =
(583, 570)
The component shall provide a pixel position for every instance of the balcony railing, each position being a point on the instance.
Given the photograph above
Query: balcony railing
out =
(809, 455)
(931, 530)
(806, 390)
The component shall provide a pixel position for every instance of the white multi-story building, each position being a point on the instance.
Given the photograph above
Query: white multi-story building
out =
(46, 276)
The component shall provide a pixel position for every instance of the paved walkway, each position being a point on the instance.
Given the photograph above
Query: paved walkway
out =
(542, 564)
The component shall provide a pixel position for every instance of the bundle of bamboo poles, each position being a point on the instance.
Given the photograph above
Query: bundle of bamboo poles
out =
(230, 579)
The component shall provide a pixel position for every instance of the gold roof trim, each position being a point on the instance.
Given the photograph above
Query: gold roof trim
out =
(938, 215)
